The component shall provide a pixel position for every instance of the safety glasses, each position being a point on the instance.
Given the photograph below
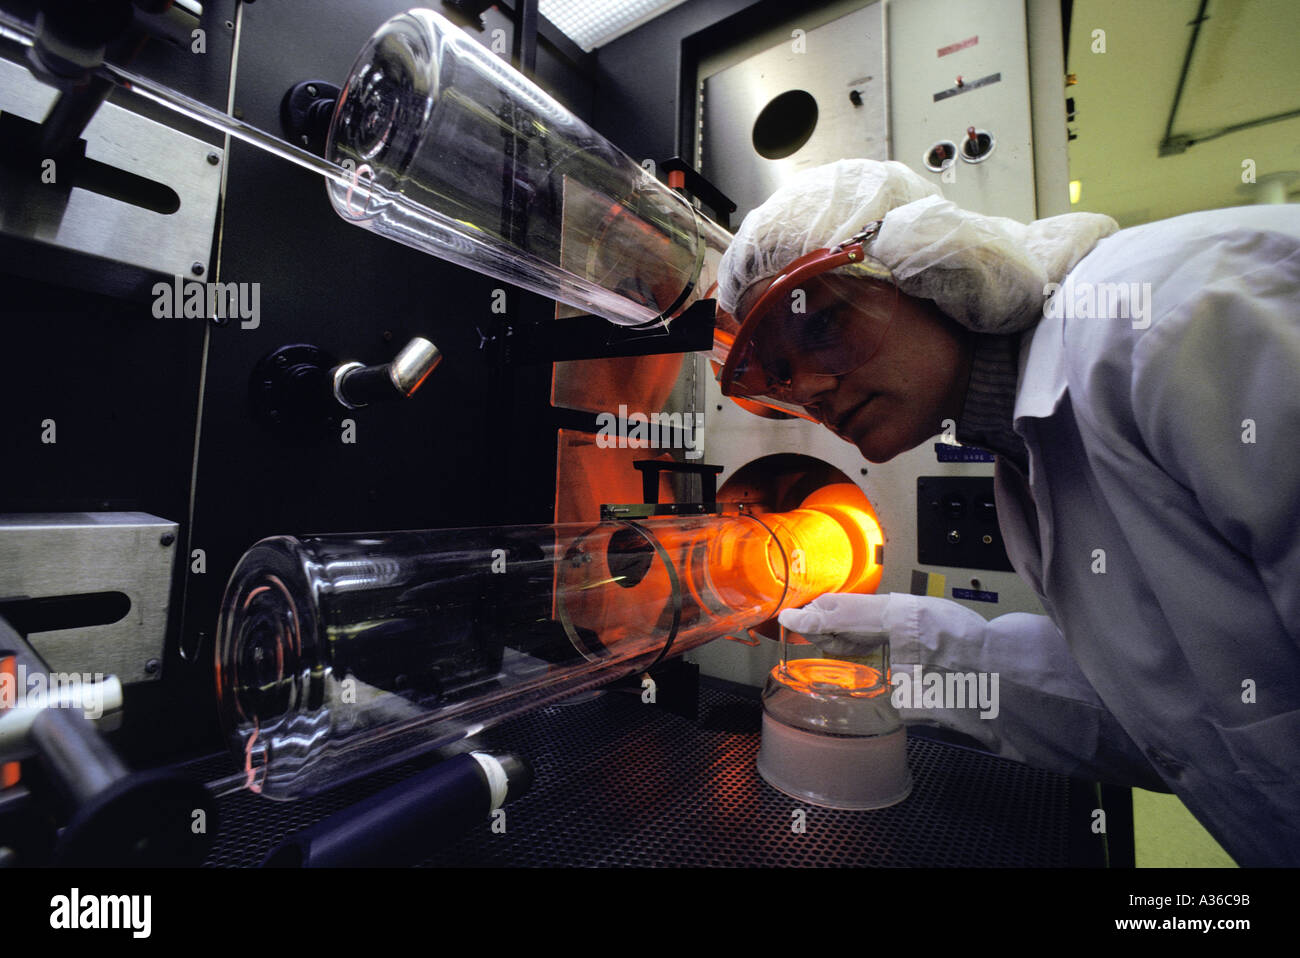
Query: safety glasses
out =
(807, 326)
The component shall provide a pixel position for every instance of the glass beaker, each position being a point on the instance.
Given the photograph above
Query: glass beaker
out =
(831, 735)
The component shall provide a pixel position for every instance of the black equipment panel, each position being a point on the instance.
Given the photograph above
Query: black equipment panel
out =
(957, 523)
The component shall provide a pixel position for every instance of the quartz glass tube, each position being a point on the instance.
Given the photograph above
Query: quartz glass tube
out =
(440, 145)
(340, 654)
(455, 153)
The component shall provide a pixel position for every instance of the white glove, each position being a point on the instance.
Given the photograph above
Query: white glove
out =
(840, 623)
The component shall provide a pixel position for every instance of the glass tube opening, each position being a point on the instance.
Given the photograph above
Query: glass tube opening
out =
(338, 655)
(455, 153)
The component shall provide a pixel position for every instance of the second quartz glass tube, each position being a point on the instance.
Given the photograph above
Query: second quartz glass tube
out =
(340, 654)
(459, 155)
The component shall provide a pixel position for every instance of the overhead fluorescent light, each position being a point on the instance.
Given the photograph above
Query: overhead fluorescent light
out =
(593, 23)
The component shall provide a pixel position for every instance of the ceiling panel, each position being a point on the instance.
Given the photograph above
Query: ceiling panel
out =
(1244, 68)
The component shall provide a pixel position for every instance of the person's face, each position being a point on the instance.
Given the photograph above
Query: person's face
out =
(914, 379)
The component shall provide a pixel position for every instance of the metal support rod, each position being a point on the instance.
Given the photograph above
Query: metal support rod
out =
(1187, 64)
(357, 385)
(559, 44)
(115, 817)
(70, 114)
(18, 737)
(1181, 141)
(81, 763)
(19, 32)
(524, 52)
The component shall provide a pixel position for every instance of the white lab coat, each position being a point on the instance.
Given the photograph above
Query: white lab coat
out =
(1160, 524)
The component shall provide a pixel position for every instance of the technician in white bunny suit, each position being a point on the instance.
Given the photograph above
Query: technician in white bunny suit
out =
(1141, 391)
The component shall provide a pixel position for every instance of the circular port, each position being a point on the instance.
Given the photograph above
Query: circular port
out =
(785, 124)
(785, 482)
(941, 156)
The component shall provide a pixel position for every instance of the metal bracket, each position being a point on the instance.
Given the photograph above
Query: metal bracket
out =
(40, 205)
(49, 555)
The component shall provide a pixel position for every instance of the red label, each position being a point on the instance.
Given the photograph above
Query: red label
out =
(954, 47)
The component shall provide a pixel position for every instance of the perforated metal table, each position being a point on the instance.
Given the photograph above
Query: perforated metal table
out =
(621, 783)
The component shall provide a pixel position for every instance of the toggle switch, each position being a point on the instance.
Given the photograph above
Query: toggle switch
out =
(977, 145)
(941, 156)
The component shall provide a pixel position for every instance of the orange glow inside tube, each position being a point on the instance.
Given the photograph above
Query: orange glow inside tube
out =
(831, 543)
